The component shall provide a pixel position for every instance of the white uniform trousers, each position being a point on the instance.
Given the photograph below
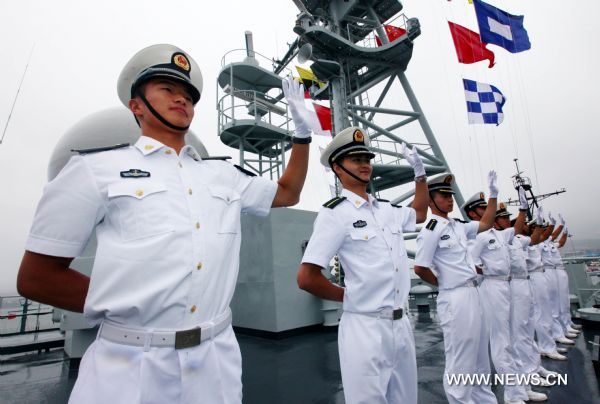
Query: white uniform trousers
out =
(112, 373)
(556, 330)
(542, 319)
(466, 342)
(527, 356)
(496, 299)
(563, 295)
(378, 360)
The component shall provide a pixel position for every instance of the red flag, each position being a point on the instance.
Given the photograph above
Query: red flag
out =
(469, 47)
(324, 115)
(392, 33)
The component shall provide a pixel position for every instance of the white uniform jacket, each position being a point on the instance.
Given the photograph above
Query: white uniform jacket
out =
(442, 246)
(368, 237)
(168, 230)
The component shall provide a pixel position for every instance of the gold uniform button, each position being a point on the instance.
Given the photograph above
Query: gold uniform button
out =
(167, 151)
(199, 266)
(190, 191)
(139, 193)
(366, 237)
(197, 225)
(193, 308)
(148, 147)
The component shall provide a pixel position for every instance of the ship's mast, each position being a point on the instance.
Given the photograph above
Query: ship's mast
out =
(353, 50)
(521, 181)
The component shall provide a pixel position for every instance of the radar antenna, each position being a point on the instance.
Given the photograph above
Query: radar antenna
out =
(521, 181)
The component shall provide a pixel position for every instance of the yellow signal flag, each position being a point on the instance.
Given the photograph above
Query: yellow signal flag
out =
(308, 78)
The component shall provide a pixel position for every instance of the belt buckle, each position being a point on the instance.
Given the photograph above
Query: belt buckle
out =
(397, 314)
(187, 338)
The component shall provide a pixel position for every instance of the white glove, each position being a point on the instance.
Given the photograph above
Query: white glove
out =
(542, 212)
(523, 199)
(561, 220)
(552, 220)
(493, 184)
(414, 160)
(294, 94)
(539, 217)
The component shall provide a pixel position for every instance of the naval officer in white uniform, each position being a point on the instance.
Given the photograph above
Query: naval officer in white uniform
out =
(442, 246)
(523, 348)
(563, 284)
(529, 348)
(549, 249)
(168, 230)
(376, 344)
(542, 311)
(491, 251)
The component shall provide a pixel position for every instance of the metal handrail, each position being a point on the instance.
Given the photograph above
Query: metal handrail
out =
(227, 113)
(263, 57)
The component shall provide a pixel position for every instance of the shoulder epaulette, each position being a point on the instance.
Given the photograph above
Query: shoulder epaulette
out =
(396, 205)
(247, 172)
(460, 220)
(382, 200)
(100, 149)
(332, 203)
(431, 224)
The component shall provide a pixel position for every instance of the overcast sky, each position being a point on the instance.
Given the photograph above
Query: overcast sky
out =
(80, 47)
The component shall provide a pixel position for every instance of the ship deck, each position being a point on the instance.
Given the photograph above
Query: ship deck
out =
(302, 369)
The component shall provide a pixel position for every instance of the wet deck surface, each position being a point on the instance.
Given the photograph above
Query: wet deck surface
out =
(301, 369)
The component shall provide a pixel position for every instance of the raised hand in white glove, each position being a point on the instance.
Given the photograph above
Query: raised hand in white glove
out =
(552, 219)
(413, 159)
(493, 184)
(523, 199)
(294, 94)
(561, 220)
(539, 217)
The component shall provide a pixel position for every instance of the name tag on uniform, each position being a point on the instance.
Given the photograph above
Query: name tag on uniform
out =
(135, 173)
(445, 237)
(359, 223)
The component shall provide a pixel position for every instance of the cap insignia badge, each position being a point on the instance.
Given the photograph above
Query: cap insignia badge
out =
(358, 136)
(179, 59)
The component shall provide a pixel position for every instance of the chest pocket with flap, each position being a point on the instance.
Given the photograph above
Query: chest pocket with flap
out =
(448, 241)
(142, 208)
(362, 234)
(225, 208)
(493, 246)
